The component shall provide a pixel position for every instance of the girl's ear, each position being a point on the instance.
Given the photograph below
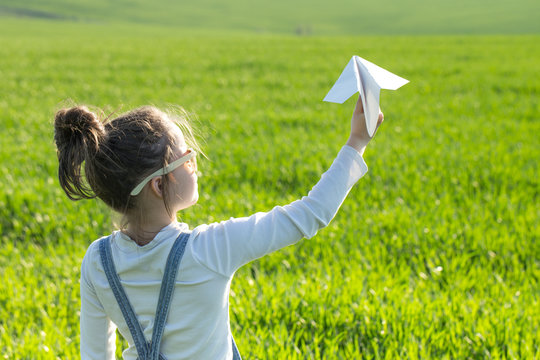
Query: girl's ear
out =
(156, 184)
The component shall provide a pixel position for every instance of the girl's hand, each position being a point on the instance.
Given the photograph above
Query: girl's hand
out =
(359, 137)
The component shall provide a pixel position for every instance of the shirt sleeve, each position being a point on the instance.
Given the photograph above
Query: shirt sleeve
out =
(98, 332)
(225, 246)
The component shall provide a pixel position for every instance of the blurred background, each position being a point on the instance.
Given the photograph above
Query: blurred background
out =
(300, 17)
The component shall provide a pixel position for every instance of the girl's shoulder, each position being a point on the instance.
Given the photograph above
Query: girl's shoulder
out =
(90, 263)
(91, 257)
(94, 246)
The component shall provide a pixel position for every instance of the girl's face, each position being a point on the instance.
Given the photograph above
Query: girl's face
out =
(183, 189)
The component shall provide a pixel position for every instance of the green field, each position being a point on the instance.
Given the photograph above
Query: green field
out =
(305, 17)
(434, 255)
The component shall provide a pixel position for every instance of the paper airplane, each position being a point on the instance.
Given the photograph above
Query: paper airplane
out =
(368, 79)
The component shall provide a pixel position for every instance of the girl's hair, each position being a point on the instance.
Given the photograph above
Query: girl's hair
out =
(107, 159)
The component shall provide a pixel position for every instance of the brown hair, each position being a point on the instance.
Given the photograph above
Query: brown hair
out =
(107, 159)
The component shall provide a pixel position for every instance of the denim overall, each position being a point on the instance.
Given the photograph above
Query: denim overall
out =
(148, 350)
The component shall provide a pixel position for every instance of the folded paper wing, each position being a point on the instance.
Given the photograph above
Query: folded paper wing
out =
(368, 79)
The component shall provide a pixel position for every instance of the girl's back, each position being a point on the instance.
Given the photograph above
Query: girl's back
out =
(198, 322)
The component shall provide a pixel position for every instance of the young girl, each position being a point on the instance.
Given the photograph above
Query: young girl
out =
(140, 164)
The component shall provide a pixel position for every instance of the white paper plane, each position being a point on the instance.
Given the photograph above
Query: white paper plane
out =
(368, 79)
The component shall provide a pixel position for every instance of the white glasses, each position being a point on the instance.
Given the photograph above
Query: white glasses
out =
(165, 170)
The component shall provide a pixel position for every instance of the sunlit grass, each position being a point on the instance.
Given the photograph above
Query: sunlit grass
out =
(434, 254)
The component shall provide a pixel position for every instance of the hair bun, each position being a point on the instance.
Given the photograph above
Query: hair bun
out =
(78, 125)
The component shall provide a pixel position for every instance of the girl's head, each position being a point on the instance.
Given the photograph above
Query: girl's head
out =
(110, 159)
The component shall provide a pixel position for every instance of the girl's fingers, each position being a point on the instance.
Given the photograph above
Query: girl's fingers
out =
(359, 109)
(379, 122)
(380, 119)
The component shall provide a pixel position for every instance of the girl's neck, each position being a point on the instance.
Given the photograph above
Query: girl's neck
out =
(145, 222)
(143, 234)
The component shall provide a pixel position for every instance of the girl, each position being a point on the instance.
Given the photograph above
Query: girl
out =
(141, 166)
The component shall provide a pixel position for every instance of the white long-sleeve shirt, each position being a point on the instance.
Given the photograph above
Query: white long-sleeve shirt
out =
(198, 322)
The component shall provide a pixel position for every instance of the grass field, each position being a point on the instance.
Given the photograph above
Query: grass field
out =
(435, 254)
(304, 17)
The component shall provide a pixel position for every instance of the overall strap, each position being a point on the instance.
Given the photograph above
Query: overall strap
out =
(121, 298)
(165, 293)
(145, 350)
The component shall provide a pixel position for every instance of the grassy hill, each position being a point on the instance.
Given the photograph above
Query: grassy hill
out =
(303, 17)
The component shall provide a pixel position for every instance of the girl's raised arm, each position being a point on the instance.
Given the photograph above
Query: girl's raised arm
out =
(225, 246)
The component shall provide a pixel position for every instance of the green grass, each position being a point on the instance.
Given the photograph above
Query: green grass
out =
(435, 254)
(303, 17)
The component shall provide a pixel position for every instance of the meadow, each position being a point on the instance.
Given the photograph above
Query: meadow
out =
(435, 253)
(313, 17)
